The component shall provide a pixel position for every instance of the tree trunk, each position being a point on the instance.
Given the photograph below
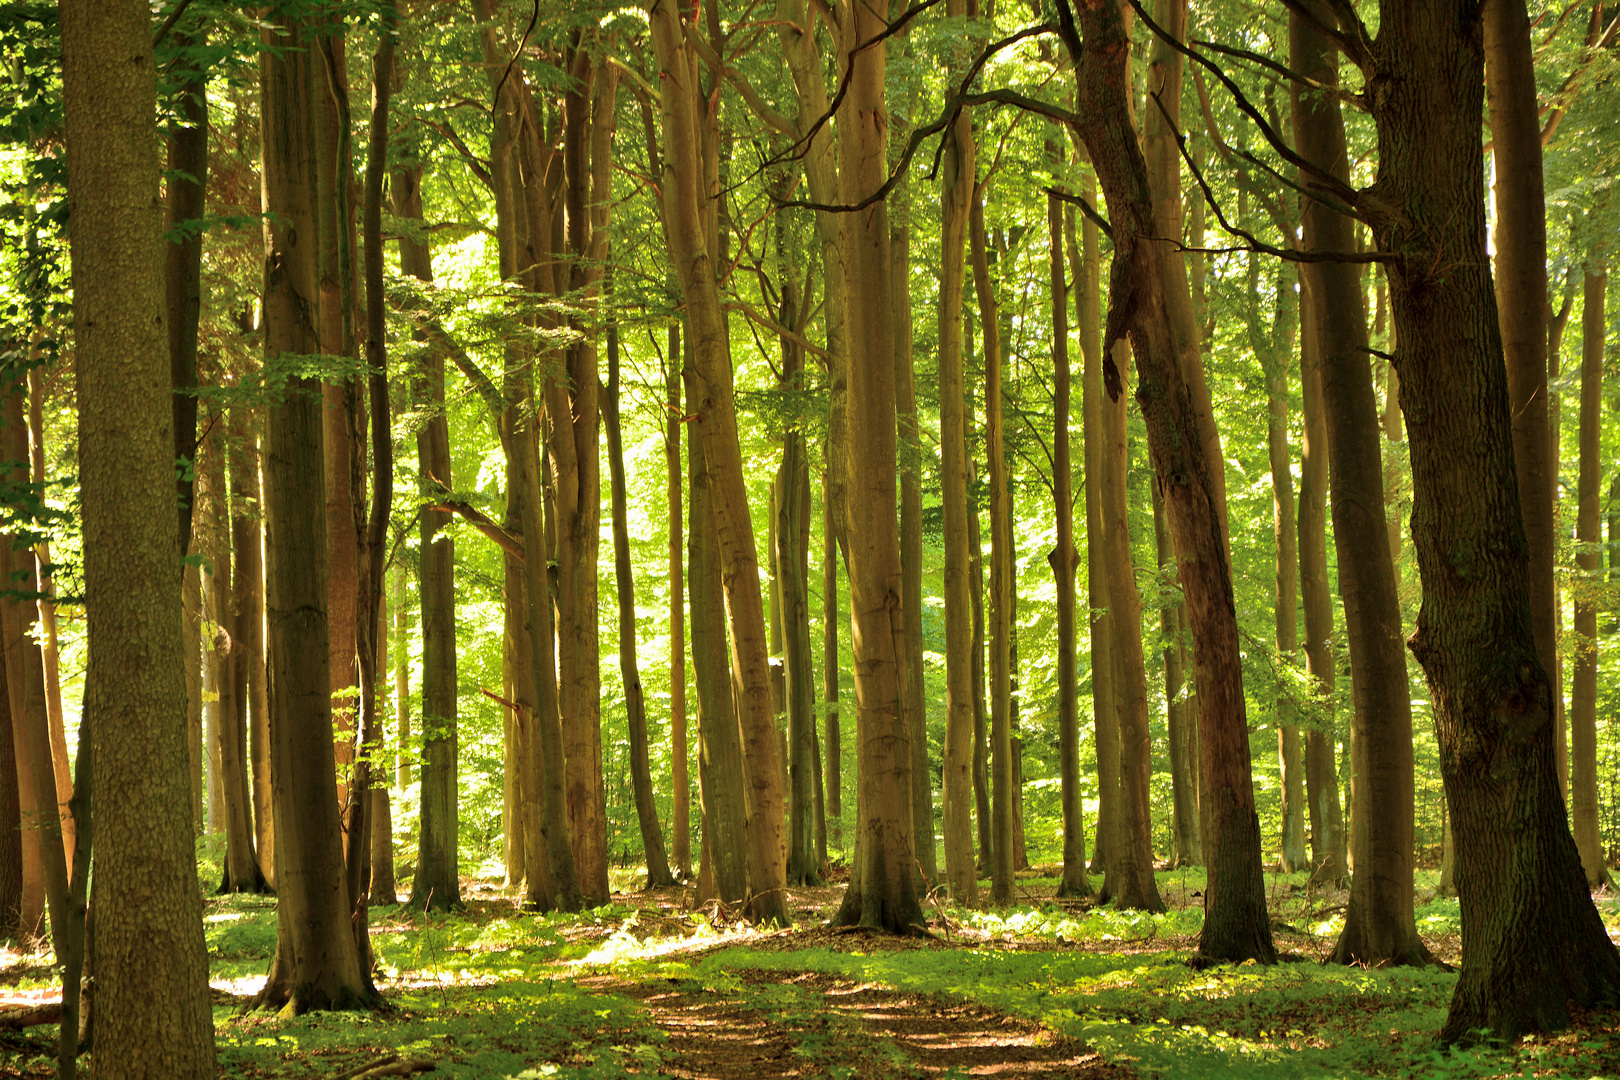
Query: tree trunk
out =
(182, 265)
(681, 823)
(652, 838)
(1065, 558)
(1535, 942)
(1588, 530)
(47, 611)
(316, 965)
(1328, 841)
(956, 189)
(833, 772)
(152, 1013)
(882, 891)
(247, 588)
(714, 407)
(1235, 923)
(11, 840)
(1001, 568)
(981, 709)
(1379, 926)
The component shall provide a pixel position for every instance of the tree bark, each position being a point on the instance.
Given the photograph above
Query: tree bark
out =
(681, 823)
(832, 773)
(1379, 925)
(1235, 923)
(1535, 942)
(247, 588)
(182, 264)
(152, 1013)
(1588, 530)
(652, 838)
(955, 196)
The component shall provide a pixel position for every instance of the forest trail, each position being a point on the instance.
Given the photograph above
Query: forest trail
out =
(814, 1024)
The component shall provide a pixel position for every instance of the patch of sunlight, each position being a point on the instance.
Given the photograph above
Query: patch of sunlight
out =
(246, 986)
(225, 916)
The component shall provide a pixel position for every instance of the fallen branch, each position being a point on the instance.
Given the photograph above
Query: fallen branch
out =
(387, 1065)
(32, 1016)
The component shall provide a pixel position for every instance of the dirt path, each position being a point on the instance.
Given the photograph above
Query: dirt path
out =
(811, 1025)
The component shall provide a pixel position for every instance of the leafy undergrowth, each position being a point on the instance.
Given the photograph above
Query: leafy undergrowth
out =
(644, 987)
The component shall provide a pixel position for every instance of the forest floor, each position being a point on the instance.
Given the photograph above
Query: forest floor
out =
(647, 987)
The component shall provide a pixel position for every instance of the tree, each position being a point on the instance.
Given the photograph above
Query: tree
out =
(1534, 943)
(153, 1016)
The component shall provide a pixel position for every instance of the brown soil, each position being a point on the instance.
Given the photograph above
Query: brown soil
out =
(827, 1026)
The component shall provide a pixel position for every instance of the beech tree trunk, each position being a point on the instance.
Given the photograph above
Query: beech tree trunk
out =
(316, 965)
(832, 773)
(247, 587)
(1235, 924)
(1534, 943)
(956, 190)
(1588, 530)
(681, 810)
(1380, 927)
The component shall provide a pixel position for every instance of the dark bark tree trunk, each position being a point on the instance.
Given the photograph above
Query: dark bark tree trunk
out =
(182, 264)
(1329, 853)
(316, 965)
(1235, 924)
(1065, 558)
(1535, 943)
(1379, 925)
(681, 810)
(652, 837)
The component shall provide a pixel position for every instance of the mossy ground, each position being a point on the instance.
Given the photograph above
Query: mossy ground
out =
(646, 987)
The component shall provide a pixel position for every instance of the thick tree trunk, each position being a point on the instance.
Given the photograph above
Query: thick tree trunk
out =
(714, 407)
(1235, 923)
(956, 189)
(1379, 926)
(316, 965)
(152, 1013)
(1328, 841)
(652, 837)
(882, 893)
(1534, 942)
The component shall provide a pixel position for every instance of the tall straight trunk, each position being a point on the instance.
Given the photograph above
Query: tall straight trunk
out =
(1534, 942)
(1104, 704)
(316, 965)
(381, 887)
(1183, 749)
(981, 708)
(1065, 558)
(47, 609)
(716, 424)
(956, 189)
(1001, 568)
(652, 837)
(882, 893)
(436, 883)
(152, 1013)
(1235, 923)
(191, 646)
(832, 773)
(681, 797)
(1130, 855)
(1588, 530)
(334, 178)
(1329, 853)
(241, 867)
(720, 750)
(182, 266)
(911, 548)
(1380, 927)
(1520, 274)
(247, 654)
(11, 840)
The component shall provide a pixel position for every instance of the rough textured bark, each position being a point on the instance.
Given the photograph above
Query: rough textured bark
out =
(956, 189)
(652, 837)
(316, 965)
(1235, 923)
(714, 407)
(1001, 567)
(152, 1013)
(1328, 840)
(1379, 925)
(1535, 943)
(882, 892)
